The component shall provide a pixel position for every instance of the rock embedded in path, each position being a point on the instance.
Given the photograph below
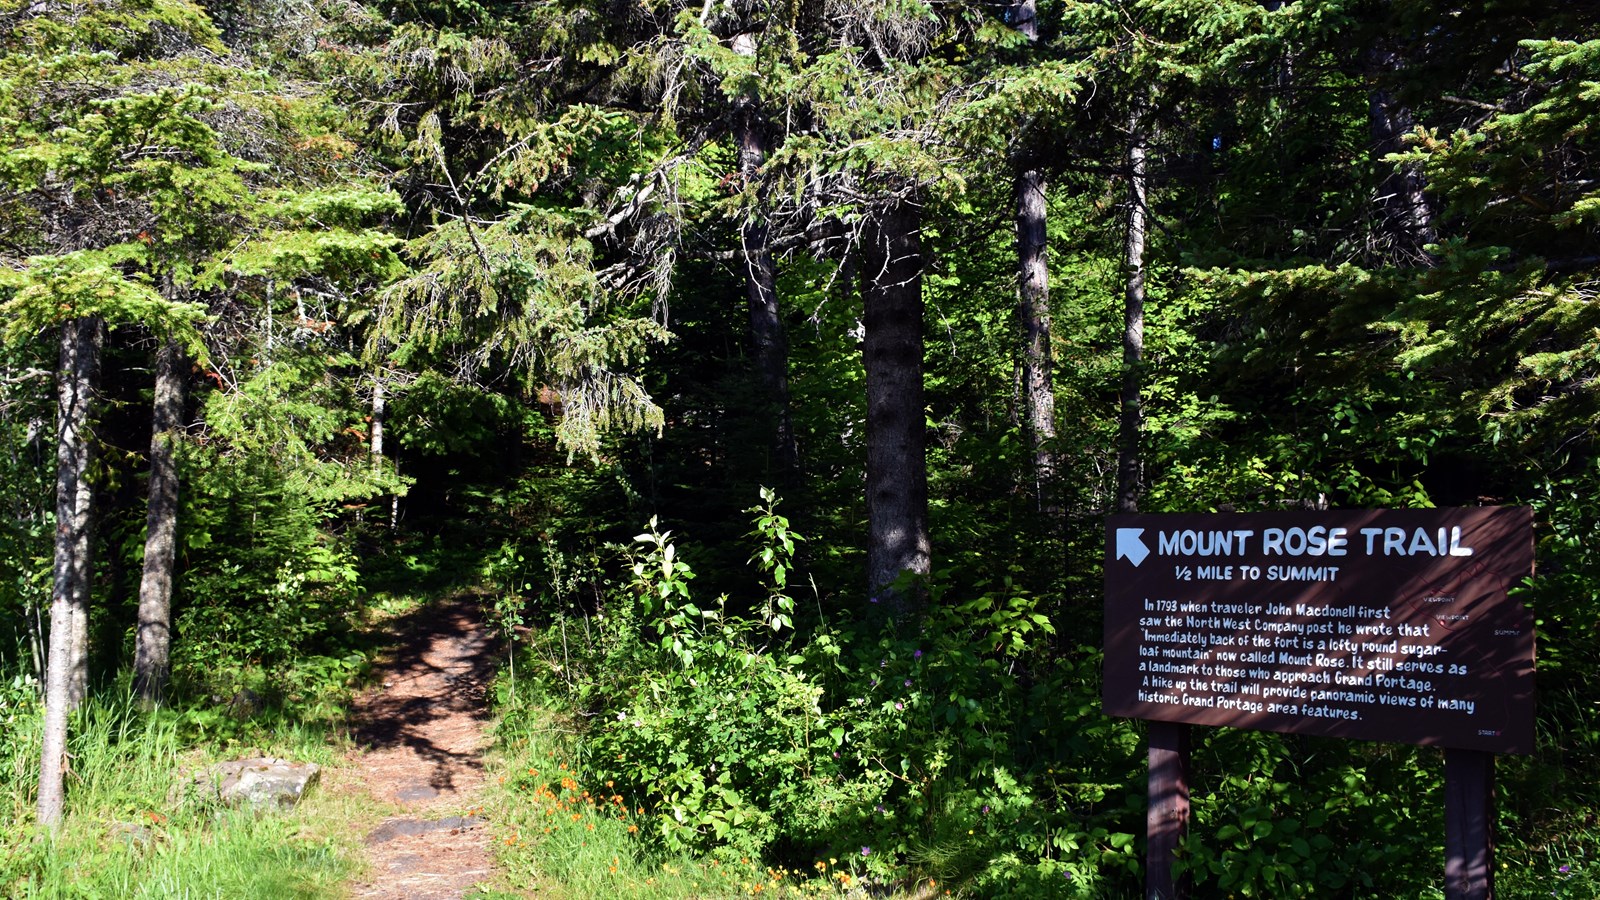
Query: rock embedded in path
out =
(404, 827)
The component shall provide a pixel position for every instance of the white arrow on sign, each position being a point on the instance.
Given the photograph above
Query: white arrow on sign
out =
(1131, 546)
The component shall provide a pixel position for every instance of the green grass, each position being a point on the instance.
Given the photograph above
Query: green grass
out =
(229, 855)
(131, 832)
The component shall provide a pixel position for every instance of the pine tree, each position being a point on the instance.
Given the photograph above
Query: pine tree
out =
(139, 168)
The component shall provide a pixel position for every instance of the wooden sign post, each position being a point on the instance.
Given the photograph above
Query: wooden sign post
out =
(1167, 818)
(1384, 625)
(1468, 805)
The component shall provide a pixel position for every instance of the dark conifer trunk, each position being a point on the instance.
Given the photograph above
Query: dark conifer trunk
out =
(767, 331)
(1025, 18)
(153, 639)
(66, 676)
(1405, 218)
(897, 474)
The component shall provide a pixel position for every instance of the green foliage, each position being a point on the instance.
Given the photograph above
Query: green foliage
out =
(508, 210)
(26, 535)
(775, 559)
(508, 571)
(1310, 818)
(521, 294)
(53, 289)
(727, 739)
(140, 171)
(271, 575)
(563, 831)
(921, 756)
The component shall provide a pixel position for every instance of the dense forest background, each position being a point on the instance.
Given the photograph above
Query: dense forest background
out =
(867, 314)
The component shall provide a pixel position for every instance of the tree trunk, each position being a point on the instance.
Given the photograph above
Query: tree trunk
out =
(66, 676)
(1033, 306)
(897, 472)
(380, 409)
(1406, 220)
(153, 640)
(761, 293)
(380, 421)
(1129, 478)
(1025, 18)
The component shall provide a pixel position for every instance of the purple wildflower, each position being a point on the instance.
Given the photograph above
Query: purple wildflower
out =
(866, 851)
(917, 655)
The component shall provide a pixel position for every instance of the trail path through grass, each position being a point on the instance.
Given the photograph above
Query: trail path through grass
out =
(421, 737)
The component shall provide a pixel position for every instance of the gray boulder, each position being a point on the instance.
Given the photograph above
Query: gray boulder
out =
(264, 782)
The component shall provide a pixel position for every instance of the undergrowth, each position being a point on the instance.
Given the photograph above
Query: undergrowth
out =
(711, 751)
(133, 830)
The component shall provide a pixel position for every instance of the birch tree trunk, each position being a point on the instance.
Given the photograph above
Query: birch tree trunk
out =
(1033, 307)
(897, 469)
(1129, 475)
(153, 639)
(380, 421)
(66, 675)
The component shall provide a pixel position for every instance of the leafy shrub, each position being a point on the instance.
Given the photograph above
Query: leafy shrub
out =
(722, 730)
(953, 748)
(270, 572)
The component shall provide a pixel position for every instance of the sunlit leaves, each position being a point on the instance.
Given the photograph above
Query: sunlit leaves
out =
(53, 289)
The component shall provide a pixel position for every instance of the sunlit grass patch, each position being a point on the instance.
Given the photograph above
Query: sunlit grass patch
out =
(131, 830)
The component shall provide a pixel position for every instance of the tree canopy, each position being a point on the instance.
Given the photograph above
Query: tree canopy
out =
(959, 279)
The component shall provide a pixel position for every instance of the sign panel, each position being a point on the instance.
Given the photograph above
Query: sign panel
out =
(1383, 625)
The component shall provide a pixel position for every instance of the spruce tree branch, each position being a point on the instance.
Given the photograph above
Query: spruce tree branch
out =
(1475, 104)
(610, 223)
(466, 212)
(817, 236)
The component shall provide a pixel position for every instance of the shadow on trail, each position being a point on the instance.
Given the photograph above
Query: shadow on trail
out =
(433, 698)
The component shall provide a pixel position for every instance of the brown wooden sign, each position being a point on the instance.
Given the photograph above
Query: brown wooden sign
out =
(1384, 625)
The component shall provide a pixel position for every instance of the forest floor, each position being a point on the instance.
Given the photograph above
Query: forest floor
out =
(420, 736)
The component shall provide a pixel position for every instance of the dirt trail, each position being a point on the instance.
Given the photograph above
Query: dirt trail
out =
(421, 739)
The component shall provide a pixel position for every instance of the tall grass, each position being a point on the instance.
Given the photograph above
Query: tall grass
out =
(133, 831)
